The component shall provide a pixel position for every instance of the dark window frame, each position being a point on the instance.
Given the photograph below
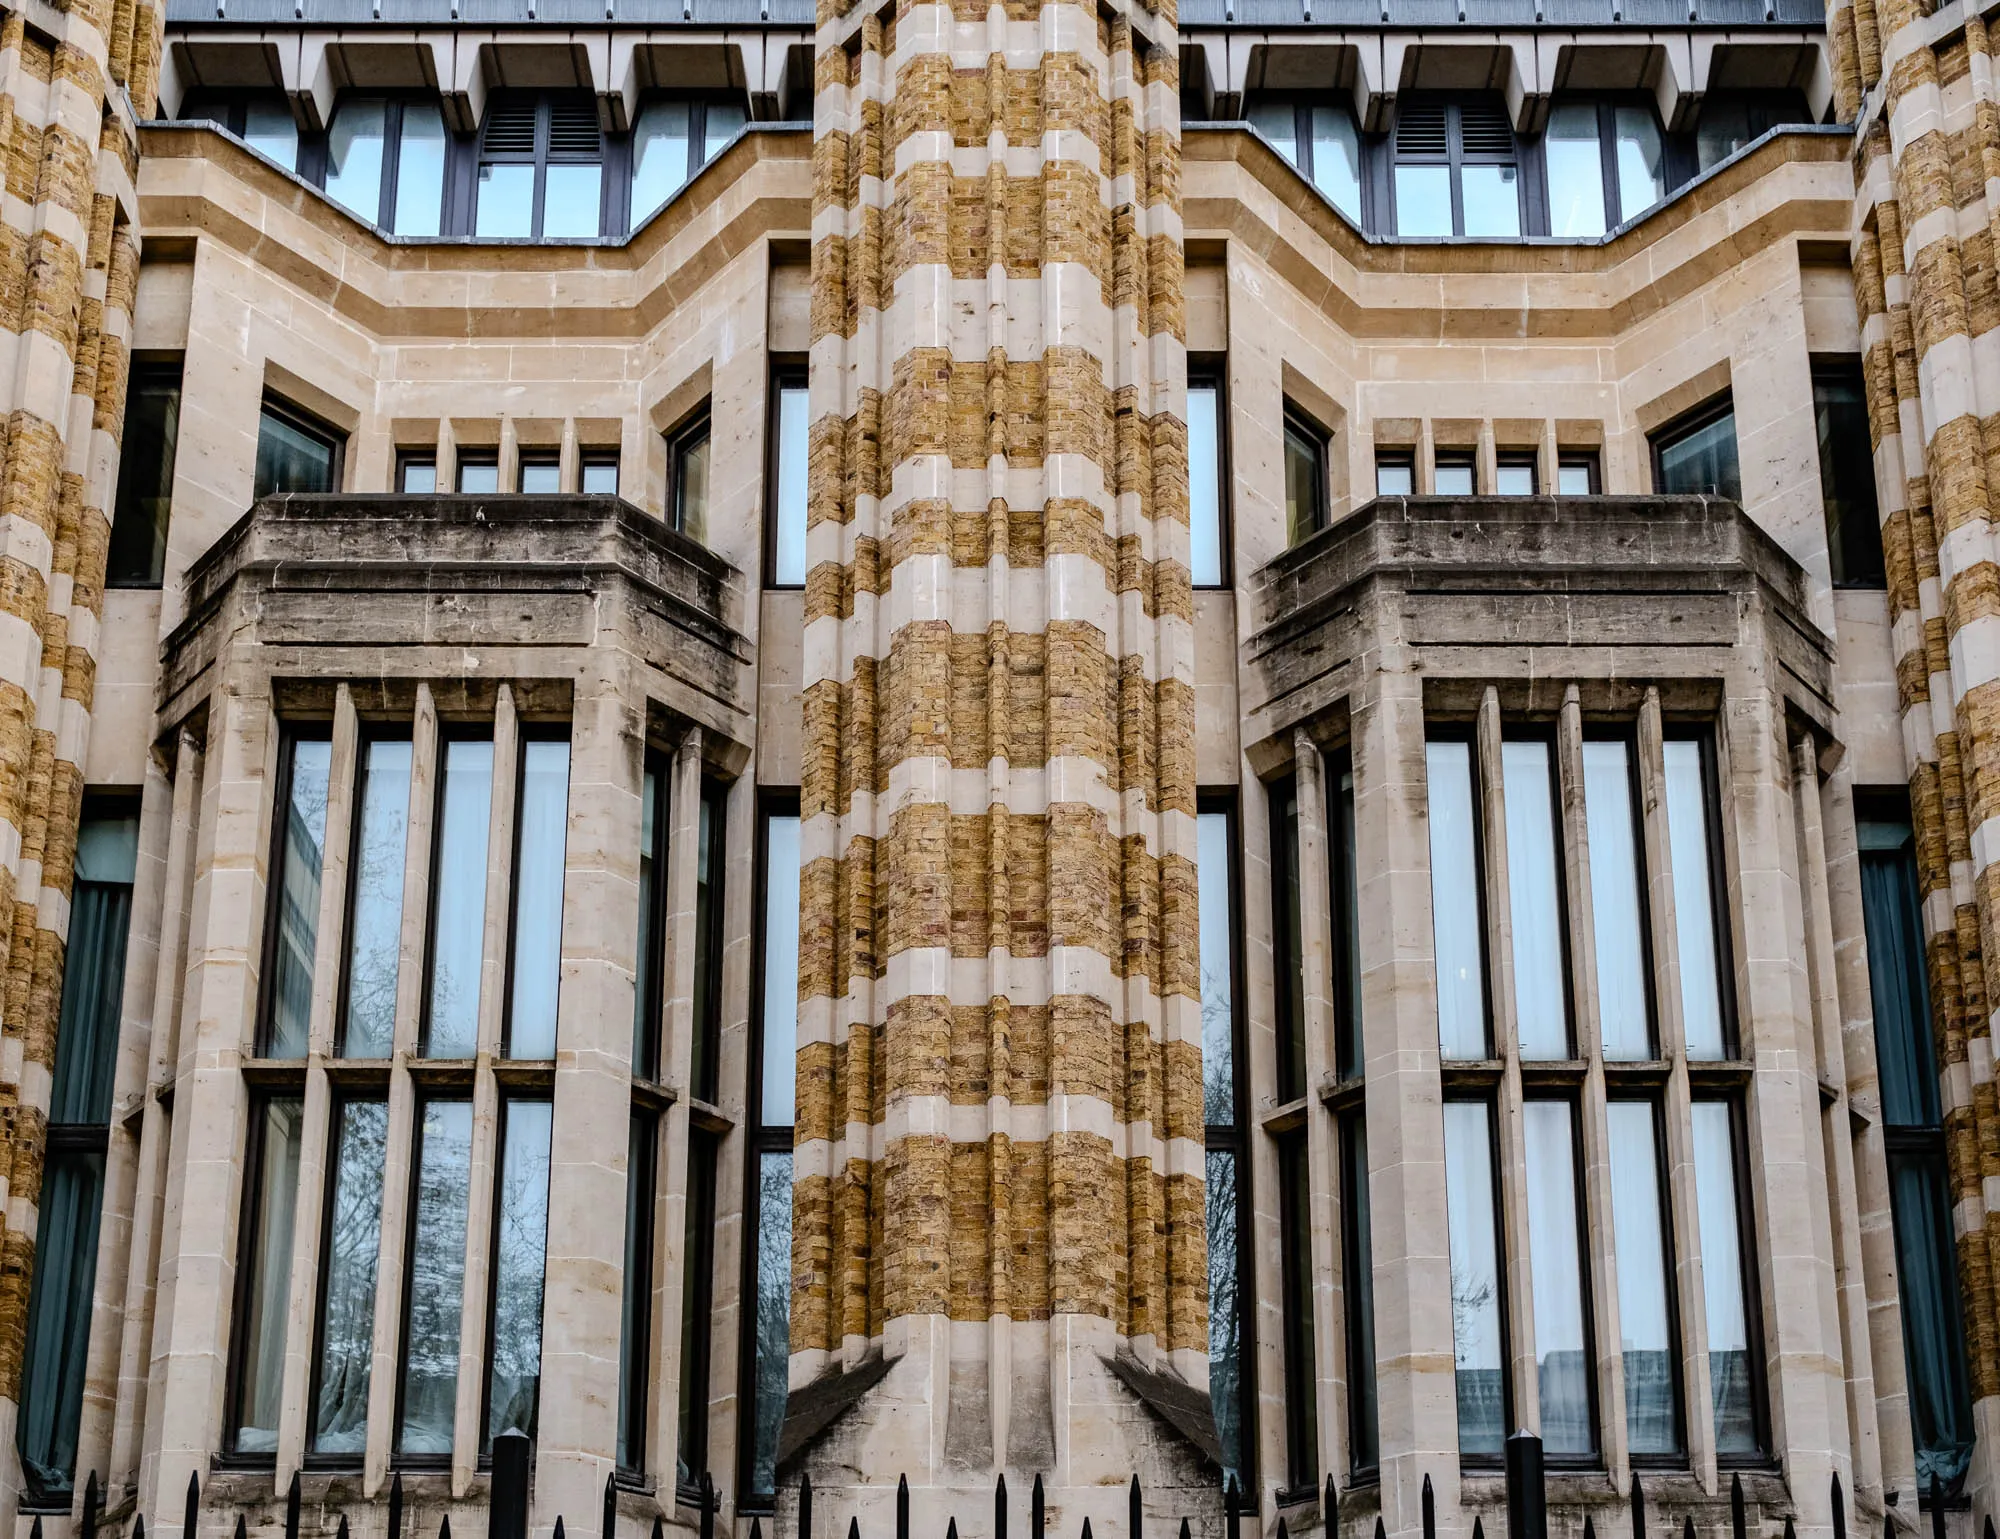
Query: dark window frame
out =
(526, 733)
(1285, 962)
(1626, 732)
(148, 370)
(447, 733)
(693, 430)
(544, 155)
(595, 459)
(1356, 1258)
(1456, 158)
(1677, 429)
(1518, 459)
(1753, 1302)
(1589, 461)
(312, 425)
(788, 372)
(653, 923)
(509, 1099)
(1448, 731)
(1503, 1302)
(1545, 734)
(291, 734)
(407, 458)
(697, 1344)
(249, 1237)
(1298, 420)
(1846, 370)
(636, 1355)
(367, 734)
(482, 457)
(1703, 735)
(1572, 1097)
(1343, 874)
(398, 1459)
(538, 457)
(705, 1067)
(1211, 370)
(1396, 459)
(1676, 1335)
(1299, 1346)
(1607, 104)
(1457, 459)
(341, 1099)
(393, 103)
(1302, 104)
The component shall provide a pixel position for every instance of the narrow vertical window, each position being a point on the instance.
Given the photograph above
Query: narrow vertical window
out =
(294, 910)
(1217, 924)
(789, 450)
(1731, 1345)
(1697, 925)
(771, 1295)
(1575, 161)
(420, 157)
(1287, 938)
(342, 1368)
(1301, 1352)
(1624, 1015)
(264, 1292)
(270, 129)
(1305, 477)
(648, 981)
(1641, 160)
(1472, 1224)
(697, 1294)
(138, 554)
(375, 930)
(1645, 1280)
(354, 157)
(538, 898)
(1206, 539)
(687, 477)
(1216, 903)
(635, 1315)
(1349, 1047)
(1563, 1358)
(709, 859)
(659, 157)
(520, 1249)
(1455, 906)
(1534, 890)
(1847, 474)
(434, 1298)
(1358, 1274)
(1336, 158)
(458, 902)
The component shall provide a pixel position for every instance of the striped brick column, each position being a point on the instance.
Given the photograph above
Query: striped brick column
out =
(999, 1145)
(68, 271)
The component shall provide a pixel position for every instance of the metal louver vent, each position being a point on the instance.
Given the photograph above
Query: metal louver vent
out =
(510, 129)
(1420, 129)
(1484, 130)
(573, 129)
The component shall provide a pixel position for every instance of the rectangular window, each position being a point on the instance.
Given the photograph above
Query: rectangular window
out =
(709, 862)
(1456, 170)
(1576, 475)
(434, 1292)
(269, 128)
(458, 898)
(342, 1367)
(687, 477)
(293, 924)
(674, 138)
(535, 959)
(1643, 1257)
(1472, 1223)
(1301, 1355)
(1358, 1273)
(1696, 455)
(1208, 547)
(418, 199)
(1563, 1359)
(1453, 474)
(354, 157)
(1601, 156)
(263, 1296)
(1847, 474)
(1395, 474)
(697, 1292)
(1617, 900)
(649, 978)
(1217, 921)
(520, 1251)
(1215, 834)
(541, 473)
(1457, 925)
(138, 554)
(1732, 1353)
(375, 899)
(1698, 924)
(296, 452)
(600, 473)
(541, 169)
(1287, 939)
(1535, 898)
(1348, 1048)
(1320, 139)
(635, 1316)
(416, 473)
(479, 473)
(789, 451)
(1514, 476)
(1305, 476)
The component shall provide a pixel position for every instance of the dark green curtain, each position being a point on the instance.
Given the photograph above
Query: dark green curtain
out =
(1933, 1339)
(93, 989)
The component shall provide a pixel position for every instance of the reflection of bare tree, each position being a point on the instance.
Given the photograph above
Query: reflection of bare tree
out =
(1471, 1299)
(1225, 1319)
(1218, 1089)
(774, 1306)
(353, 1236)
(378, 903)
(517, 1287)
(298, 908)
(437, 1278)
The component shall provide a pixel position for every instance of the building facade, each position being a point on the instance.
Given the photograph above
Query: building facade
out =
(926, 742)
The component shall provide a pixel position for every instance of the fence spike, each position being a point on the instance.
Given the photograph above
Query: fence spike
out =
(610, 1506)
(1790, 1531)
(396, 1506)
(1037, 1513)
(1184, 1529)
(1738, 1522)
(341, 1535)
(1086, 1526)
(854, 1528)
(707, 1506)
(1839, 1509)
(1987, 1532)
(999, 1506)
(191, 1517)
(659, 1527)
(1589, 1528)
(1478, 1527)
(1937, 1506)
(1331, 1514)
(1430, 1511)
(1638, 1508)
(1687, 1527)
(1380, 1532)
(756, 1528)
(1135, 1506)
(902, 1508)
(139, 1526)
(950, 1529)
(89, 1525)
(805, 1506)
(35, 1528)
(1232, 1507)
(444, 1527)
(1283, 1532)
(292, 1508)
(242, 1528)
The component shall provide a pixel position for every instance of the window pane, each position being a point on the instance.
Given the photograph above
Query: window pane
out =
(1225, 1311)
(1645, 1321)
(1475, 1279)
(652, 939)
(1423, 200)
(347, 1308)
(1304, 471)
(1278, 121)
(1694, 908)
(659, 157)
(1336, 160)
(522, 1220)
(635, 1315)
(1289, 925)
(270, 130)
(781, 972)
(1892, 914)
(1348, 1044)
(1453, 478)
(1217, 919)
(267, 1298)
(1534, 893)
(375, 939)
(1934, 1346)
(1623, 1022)
(1204, 484)
(1576, 171)
(59, 1318)
(1723, 130)
(1573, 479)
(774, 1311)
(138, 554)
(1301, 1352)
(698, 1261)
(541, 477)
(691, 485)
(1847, 480)
(354, 158)
(722, 122)
(1492, 199)
(788, 565)
(420, 170)
(1455, 917)
(538, 898)
(1562, 1346)
(435, 1302)
(600, 478)
(1358, 1279)
(93, 991)
(1642, 178)
(713, 823)
(458, 904)
(1514, 478)
(1702, 460)
(479, 477)
(420, 477)
(291, 459)
(1729, 1366)
(301, 849)
(1394, 478)
(506, 201)
(570, 202)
